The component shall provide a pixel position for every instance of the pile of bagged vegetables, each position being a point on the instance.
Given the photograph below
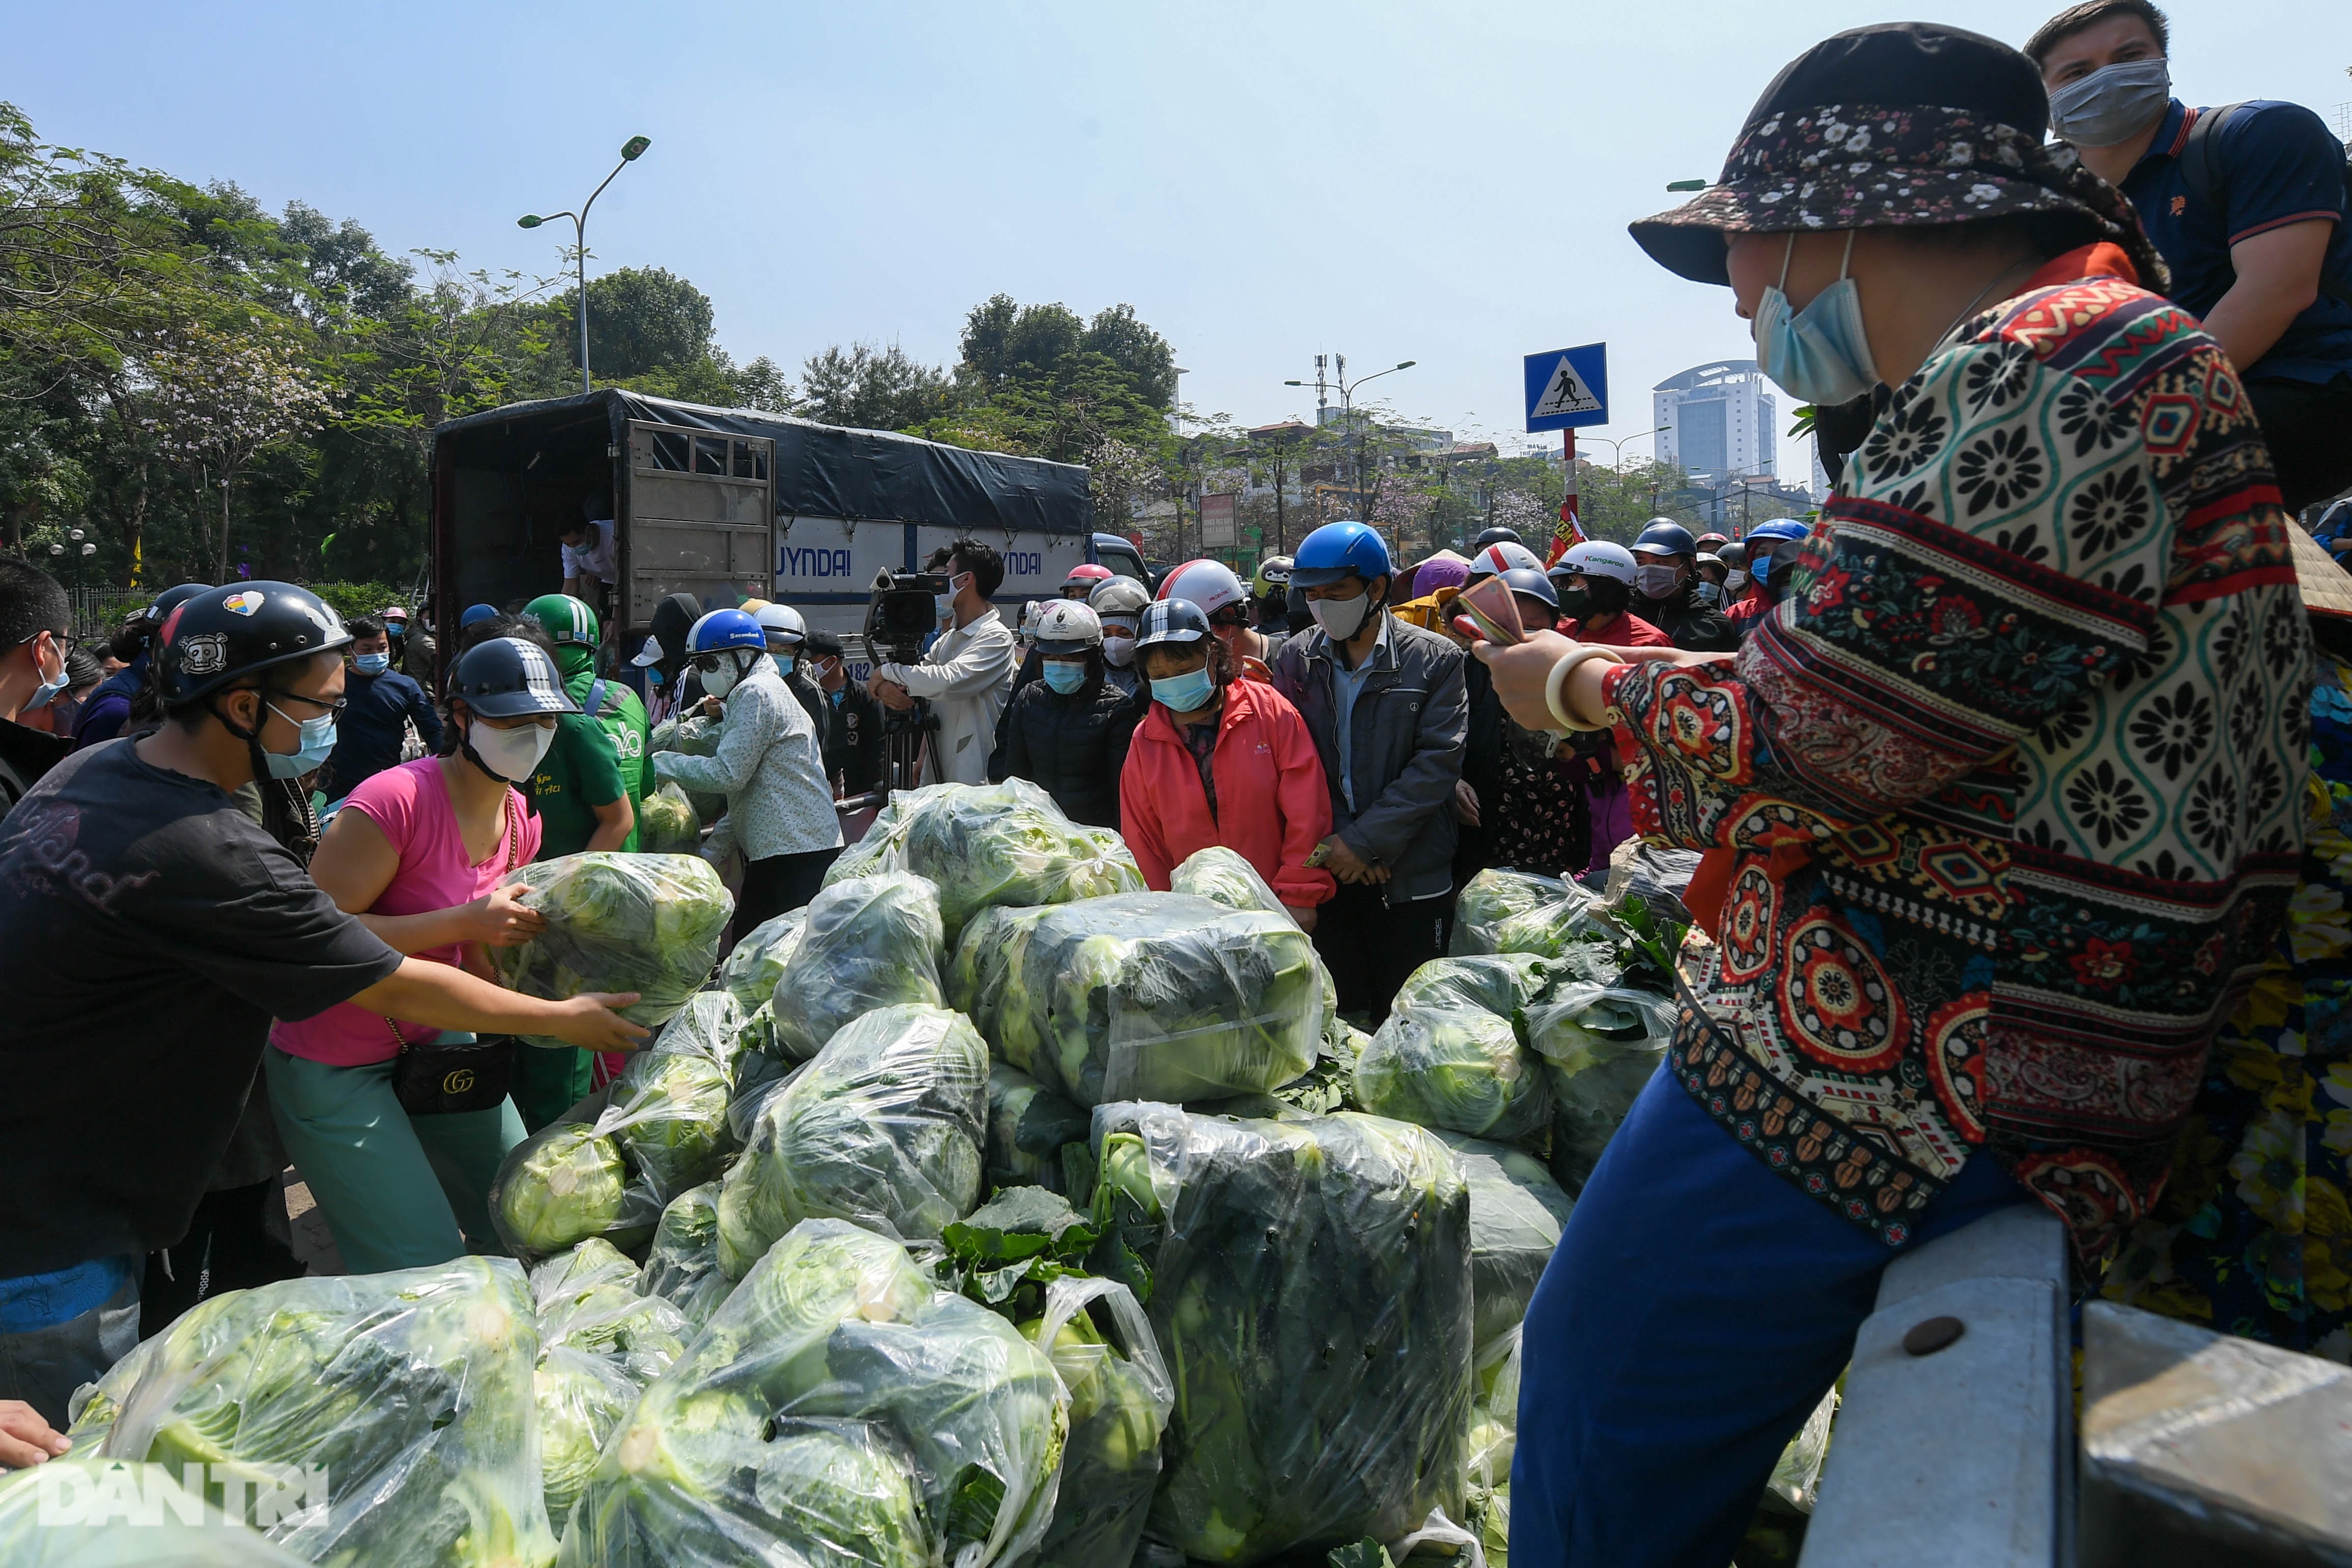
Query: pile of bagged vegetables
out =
(991, 1210)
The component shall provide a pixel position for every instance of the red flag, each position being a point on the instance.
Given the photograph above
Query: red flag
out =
(1569, 535)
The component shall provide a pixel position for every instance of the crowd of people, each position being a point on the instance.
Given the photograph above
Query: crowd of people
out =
(1999, 772)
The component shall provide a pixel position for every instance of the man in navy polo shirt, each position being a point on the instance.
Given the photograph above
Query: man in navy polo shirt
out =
(2247, 203)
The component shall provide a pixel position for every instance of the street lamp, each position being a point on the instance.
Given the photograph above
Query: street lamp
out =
(1616, 447)
(1348, 413)
(631, 151)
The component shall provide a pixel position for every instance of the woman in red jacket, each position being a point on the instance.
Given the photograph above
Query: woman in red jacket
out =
(1221, 761)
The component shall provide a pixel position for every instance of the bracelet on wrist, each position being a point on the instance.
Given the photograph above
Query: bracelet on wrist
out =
(1556, 685)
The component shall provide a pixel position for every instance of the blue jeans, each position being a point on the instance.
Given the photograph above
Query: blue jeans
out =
(1697, 1308)
(62, 1330)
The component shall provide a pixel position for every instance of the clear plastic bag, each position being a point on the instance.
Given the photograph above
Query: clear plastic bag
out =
(667, 823)
(619, 921)
(838, 1409)
(987, 957)
(78, 1512)
(1517, 1213)
(1495, 1411)
(1311, 1293)
(1601, 1046)
(1155, 995)
(1653, 875)
(1028, 1127)
(564, 1184)
(581, 1397)
(1223, 876)
(1453, 1050)
(692, 736)
(870, 942)
(1797, 1476)
(750, 972)
(413, 1389)
(1120, 1395)
(682, 1265)
(1517, 912)
(588, 1301)
(989, 844)
(883, 1127)
(668, 1107)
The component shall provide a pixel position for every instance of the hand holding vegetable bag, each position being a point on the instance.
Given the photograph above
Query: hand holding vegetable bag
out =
(669, 1108)
(618, 922)
(1453, 1051)
(838, 1408)
(884, 1128)
(412, 1389)
(1311, 1291)
(870, 942)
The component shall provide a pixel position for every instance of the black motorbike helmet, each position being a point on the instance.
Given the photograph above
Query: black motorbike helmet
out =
(217, 635)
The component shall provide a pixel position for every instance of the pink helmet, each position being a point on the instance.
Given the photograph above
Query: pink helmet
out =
(1210, 584)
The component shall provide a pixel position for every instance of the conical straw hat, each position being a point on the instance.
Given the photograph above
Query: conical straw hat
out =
(2327, 587)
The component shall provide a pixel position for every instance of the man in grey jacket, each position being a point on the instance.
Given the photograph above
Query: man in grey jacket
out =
(1384, 700)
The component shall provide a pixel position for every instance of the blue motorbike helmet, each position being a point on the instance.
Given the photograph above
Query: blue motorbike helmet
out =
(1334, 550)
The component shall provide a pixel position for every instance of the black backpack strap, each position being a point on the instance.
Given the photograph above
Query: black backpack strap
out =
(2200, 170)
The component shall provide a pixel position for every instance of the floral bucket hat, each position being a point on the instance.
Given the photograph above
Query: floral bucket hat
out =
(1902, 125)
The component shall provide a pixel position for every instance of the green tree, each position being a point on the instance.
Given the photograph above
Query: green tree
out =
(872, 388)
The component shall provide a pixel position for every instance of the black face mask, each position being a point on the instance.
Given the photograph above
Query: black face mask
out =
(1575, 603)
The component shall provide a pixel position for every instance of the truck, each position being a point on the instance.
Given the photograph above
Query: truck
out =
(736, 503)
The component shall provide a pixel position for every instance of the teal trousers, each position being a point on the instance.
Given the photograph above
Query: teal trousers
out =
(399, 1192)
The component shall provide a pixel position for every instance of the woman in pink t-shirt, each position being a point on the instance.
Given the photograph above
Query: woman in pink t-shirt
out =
(423, 853)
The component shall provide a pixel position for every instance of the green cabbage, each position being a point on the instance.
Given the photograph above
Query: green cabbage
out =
(1156, 996)
(1311, 1292)
(1119, 1400)
(1516, 912)
(750, 972)
(1452, 1053)
(1601, 1046)
(667, 823)
(668, 1108)
(682, 1266)
(883, 1127)
(619, 921)
(413, 1389)
(839, 1409)
(692, 736)
(1517, 1213)
(563, 1185)
(1028, 1128)
(581, 1397)
(990, 844)
(588, 1301)
(870, 942)
(1223, 876)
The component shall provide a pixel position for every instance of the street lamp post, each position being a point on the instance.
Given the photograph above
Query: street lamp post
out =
(1348, 416)
(1616, 447)
(631, 151)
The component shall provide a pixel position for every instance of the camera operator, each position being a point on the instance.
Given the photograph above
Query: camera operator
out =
(967, 673)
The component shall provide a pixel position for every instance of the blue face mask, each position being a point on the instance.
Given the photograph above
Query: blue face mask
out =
(318, 741)
(1065, 677)
(1820, 353)
(370, 663)
(1186, 693)
(47, 690)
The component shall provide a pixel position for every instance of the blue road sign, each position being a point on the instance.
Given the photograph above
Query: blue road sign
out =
(1567, 388)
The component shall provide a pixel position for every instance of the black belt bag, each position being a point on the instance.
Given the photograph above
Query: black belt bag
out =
(432, 1079)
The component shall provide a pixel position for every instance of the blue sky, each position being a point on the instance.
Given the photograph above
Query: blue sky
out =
(1444, 184)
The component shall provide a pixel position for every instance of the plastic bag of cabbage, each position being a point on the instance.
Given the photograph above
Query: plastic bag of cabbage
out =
(412, 1389)
(1028, 1128)
(1311, 1292)
(682, 1264)
(750, 973)
(1516, 912)
(599, 1344)
(870, 942)
(883, 1127)
(1599, 1046)
(669, 1108)
(1120, 1398)
(667, 823)
(838, 1409)
(73, 1512)
(693, 736)
(1453, 1051)
(564, 1184)
(1517, 1213)
(1155, 995)
(986, 844)
(1223, 876)
(617, 922)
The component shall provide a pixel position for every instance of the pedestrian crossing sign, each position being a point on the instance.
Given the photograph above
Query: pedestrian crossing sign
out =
(1567, 388)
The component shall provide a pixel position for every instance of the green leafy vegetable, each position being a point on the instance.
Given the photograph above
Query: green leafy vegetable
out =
(682, 1266)
(1517, 1213)
(1028, 1128)
(1453, 1051)
(870, 942)
(618, 922)
(750, 973)
(667, 823)
(1120, 1399)
(563, 1185)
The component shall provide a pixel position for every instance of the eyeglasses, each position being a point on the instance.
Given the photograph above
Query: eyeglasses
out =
(707, 662)
(334, 707)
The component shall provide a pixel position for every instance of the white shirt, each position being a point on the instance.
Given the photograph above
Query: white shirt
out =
(594, 559)
(967, 674)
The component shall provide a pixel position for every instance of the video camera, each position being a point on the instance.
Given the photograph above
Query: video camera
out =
(901, 613)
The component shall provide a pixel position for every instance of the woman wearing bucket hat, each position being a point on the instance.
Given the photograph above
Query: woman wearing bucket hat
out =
(2001, 800)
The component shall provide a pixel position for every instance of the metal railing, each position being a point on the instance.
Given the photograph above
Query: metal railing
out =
(98, 611)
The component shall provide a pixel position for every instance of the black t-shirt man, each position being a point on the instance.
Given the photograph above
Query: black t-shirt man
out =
(152, 931)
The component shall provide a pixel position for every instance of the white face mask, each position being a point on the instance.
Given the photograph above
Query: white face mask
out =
(1734, 584)
(1342, 617)
(945, 602)
(514, 754)
(721, 681)
(1120, 651)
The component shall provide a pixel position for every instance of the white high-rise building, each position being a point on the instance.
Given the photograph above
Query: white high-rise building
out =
(1718, 419)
